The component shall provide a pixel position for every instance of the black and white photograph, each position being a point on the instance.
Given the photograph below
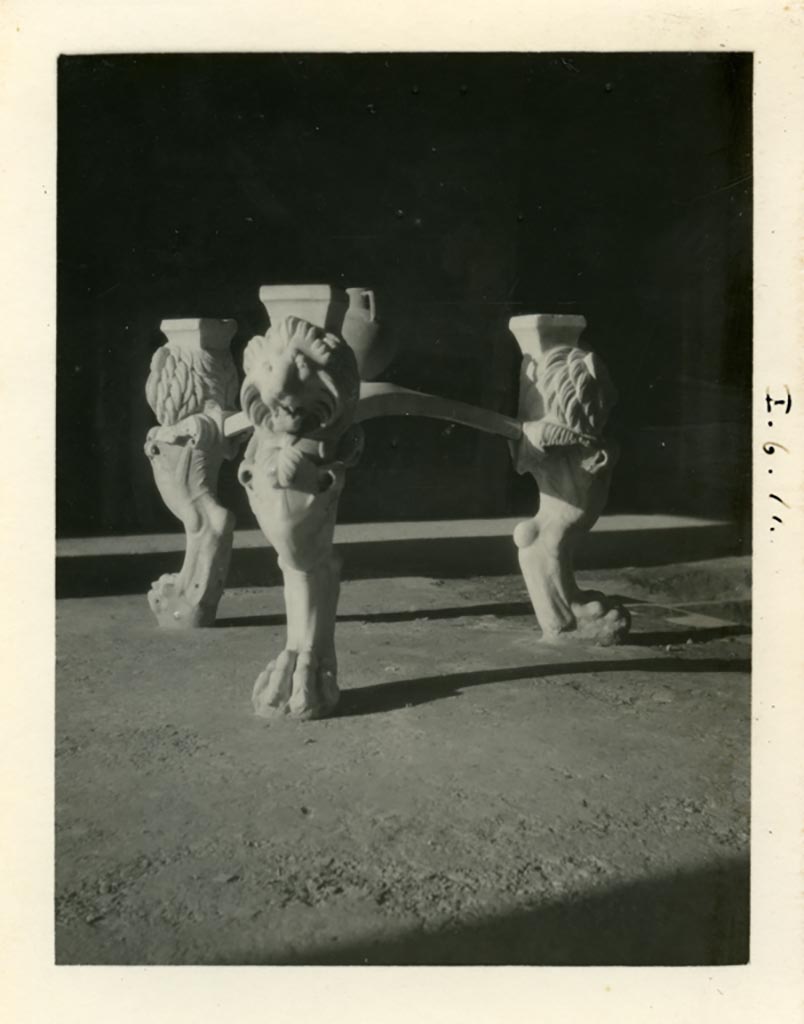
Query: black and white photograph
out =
(404, 420)
(404, 508)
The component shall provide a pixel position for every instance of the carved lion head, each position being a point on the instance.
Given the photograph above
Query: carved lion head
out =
(300, 380)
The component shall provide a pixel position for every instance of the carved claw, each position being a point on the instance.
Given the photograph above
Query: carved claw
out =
(600, 618)
(322, 347)
(297, 685)
(274, 686)
(173, 607)
(315, 690)
(161, 591)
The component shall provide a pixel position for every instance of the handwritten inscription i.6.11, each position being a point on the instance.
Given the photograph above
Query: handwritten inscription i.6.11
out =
(772, 447)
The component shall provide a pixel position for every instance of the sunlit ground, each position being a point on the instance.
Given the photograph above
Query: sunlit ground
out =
(483, 797)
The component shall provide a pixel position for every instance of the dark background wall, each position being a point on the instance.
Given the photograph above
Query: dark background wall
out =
(464, 189)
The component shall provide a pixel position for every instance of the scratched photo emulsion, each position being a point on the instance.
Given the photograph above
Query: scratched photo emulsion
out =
(403, 508)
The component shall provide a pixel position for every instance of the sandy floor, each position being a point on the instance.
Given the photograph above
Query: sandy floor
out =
(483, 797)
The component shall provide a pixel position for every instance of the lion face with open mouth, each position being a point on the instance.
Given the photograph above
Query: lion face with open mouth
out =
(300, 380)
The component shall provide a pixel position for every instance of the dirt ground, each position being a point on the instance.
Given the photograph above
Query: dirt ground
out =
(482, 797)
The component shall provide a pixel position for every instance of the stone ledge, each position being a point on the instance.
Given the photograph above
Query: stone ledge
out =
(96, 566)
(350, 533)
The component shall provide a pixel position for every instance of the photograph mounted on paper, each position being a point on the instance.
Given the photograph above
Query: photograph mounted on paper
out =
(404, 508)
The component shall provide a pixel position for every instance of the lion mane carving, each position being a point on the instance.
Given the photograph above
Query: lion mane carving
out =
(577, 395)
(180, 383)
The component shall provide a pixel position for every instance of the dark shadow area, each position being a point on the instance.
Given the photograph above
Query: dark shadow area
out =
(500, 611)
(104, 575)
(244, 621)
(681, 635)
(688, 918)
(402, 693)
(511, 609)
(439, 557)
(186, 181)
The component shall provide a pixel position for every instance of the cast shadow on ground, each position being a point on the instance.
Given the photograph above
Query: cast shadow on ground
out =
(500, 610)
(676, 637)
(391, 696)
(689, 918)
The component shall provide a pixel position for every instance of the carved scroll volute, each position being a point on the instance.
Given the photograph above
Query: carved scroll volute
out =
(191, 387)
(565, 398)
(300, 393)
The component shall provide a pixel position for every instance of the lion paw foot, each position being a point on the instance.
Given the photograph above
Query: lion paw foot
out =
(298, 685)
(600, 619)
(162, 589)
(173, 609)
